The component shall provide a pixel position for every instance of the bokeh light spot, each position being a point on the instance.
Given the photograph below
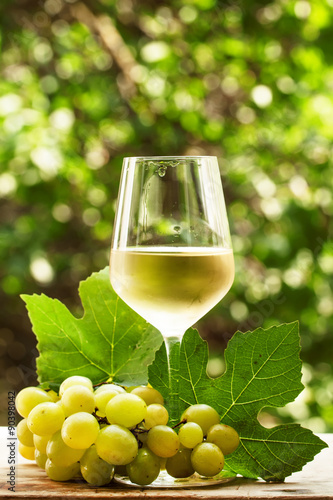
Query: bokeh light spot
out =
(262, 96)
(155, 51)
(41, 270)
(8, 184)
(302, 9)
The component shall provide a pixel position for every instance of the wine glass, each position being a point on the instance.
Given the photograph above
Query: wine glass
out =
(171, 256)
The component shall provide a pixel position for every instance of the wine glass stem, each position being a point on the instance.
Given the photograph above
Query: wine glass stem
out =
(172, 345)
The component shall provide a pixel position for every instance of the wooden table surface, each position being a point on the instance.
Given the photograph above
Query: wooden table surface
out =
(315, 481)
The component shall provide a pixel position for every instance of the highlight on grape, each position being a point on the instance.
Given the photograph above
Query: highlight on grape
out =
(98, 432)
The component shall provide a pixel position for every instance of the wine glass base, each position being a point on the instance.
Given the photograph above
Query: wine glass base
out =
(164, 480)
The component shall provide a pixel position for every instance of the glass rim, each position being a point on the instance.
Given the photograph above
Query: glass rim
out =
(180, 157)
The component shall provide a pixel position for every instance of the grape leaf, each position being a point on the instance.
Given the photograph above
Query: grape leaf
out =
(263, 369)
(110, 341)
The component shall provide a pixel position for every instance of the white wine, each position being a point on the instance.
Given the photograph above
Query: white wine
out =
(172, 287)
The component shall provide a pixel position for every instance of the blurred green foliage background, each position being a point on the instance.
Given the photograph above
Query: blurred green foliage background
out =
(84, 84)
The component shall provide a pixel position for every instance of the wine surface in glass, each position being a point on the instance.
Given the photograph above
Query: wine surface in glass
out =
(172, 287)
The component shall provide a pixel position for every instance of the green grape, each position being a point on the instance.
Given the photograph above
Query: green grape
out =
(30, 397)
(149, 395)
(142, 436)
(61, 473)
(80, 430)
(131, 387)
(207, 459)
(163, 441)
(180, 466)
(224, 436)
(145, 468)
(40, 458)
(156, 415)
(100, 414)
(126, 409)
(94, 470)
(61, 454)
(45, 418)
(103, 397)
(40, 442)
(75, 380)
(78, 398)
(203, 415)
(53, 395)
(190, 435)
(109, 387)
(27, 452)
(116, 445)
(24, 435)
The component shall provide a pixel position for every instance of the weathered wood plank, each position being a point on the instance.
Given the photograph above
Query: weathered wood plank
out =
(314, 482)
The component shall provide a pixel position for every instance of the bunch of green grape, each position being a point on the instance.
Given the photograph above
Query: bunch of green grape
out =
(96, 433)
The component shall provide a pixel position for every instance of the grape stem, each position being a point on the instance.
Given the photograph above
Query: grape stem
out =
(100, 420)
(137, 430)
(99, 384)
(179, 423)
